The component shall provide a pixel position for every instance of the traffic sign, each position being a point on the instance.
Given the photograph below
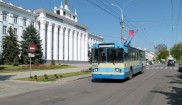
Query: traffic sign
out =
(32, 48)
(31, 55)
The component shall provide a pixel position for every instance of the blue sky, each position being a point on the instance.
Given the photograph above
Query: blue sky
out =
(154, 21)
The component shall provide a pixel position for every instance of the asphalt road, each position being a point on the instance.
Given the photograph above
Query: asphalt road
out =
(159, 85)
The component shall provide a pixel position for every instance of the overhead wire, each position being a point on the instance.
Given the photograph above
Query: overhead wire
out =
(101, 5)
(179, 12)
(95, 4)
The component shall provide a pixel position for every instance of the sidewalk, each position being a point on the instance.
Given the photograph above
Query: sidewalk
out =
(10, 87)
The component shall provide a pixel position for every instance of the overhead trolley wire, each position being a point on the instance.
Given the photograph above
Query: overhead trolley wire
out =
(95, 4)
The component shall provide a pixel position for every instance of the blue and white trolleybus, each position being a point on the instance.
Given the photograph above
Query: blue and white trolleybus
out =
(116, 61)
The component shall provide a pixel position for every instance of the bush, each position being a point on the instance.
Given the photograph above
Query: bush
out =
(35, 76)
(45, 76)
(60, 76)
(31, 77)
(56, 76)
(36, 61)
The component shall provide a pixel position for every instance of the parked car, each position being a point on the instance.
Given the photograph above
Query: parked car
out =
(180, 67)
(149, 63)
(171, 63)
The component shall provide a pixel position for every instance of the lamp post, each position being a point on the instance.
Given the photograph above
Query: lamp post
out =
(122, 19)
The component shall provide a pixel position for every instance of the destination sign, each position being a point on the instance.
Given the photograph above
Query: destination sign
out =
(106, 45)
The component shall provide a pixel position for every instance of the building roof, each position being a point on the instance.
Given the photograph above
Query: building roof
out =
(11, 6)
(82, 27)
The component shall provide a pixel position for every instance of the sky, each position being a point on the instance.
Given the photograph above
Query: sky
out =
(154, 21)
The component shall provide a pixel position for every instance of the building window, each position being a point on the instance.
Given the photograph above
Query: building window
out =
(4, 29)
(15, 19)
(24, 22)
(15, 31)
(64, 13)
(4, 16)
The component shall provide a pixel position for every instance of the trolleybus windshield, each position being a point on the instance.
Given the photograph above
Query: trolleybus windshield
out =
(110, 55)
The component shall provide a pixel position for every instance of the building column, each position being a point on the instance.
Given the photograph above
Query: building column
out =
(70, 45)
(79, 44)
(55, 55)
(61, 43)
(20, 28)
(37, 25)
(1, 32)
(42, 37)
(10, 20)
(66, 44)
(82, 47)
(75, 46)
(86, 46)
(49, 42)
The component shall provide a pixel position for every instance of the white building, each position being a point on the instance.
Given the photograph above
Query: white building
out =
(16, 17)
(63, 38)
(92, 39)
(150, 56)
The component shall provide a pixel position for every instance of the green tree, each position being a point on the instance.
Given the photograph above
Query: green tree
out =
(10, 47)
(30, 35)
(158, 48)
(16, 61)
(176, 51)
(164, 54)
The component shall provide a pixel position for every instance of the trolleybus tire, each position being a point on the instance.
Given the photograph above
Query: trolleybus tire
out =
(142, 70)
(130, 74)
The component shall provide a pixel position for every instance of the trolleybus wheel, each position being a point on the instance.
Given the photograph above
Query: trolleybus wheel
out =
(142, 70)
(131, 74)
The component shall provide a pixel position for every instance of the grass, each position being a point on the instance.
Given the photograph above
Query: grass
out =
(25, 68)
(52, 77)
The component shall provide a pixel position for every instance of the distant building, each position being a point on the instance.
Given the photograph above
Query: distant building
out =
(150, 56)
(92, 39)
(63, 38)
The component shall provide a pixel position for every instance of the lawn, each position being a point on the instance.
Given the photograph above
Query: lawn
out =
(25, 68)
(47, 78)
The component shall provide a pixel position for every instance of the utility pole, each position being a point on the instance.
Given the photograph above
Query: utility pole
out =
(122, 19)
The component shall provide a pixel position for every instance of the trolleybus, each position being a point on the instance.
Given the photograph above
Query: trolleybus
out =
(116, 61)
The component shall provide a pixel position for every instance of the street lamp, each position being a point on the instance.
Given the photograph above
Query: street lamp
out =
(122, 19)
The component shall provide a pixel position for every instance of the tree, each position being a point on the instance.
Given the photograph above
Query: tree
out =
(176, 51)
(10, 47)
(158, 48)
(164, 53)
(30, 35)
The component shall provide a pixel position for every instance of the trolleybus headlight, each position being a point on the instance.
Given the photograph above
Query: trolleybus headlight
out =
(117, 69)
(96, 69)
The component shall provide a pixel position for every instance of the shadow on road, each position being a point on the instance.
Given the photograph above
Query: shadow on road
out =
(5, 77)
(175, 95)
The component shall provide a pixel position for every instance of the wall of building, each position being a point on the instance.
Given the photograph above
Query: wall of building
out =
(63, 38)
(16, 17)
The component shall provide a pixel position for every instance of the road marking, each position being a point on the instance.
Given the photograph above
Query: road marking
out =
(151, 68)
